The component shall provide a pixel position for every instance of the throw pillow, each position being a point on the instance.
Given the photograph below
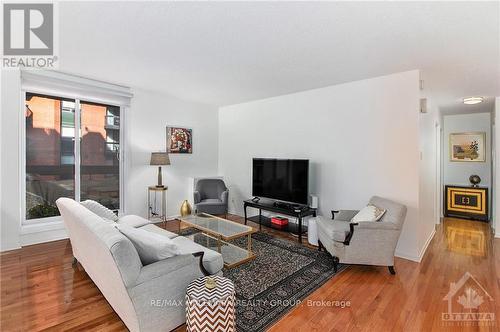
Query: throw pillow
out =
(150, 246)
(369, 213)
(133, 220)
(100, 209)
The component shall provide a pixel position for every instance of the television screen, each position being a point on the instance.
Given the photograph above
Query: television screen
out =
(281, 179)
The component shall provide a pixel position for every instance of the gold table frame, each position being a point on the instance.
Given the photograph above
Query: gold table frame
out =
(222, 239)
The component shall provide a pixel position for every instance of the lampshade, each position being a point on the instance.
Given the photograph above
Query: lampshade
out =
(159, 159)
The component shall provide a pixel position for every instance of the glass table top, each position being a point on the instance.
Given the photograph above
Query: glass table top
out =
(217, 226)
(232, 255)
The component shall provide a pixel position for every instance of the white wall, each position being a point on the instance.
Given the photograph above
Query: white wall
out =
(151, 113)
(10, 208)
(362, 139)
(429, 176)
(458, 172)
(496, 196)
(145, 132)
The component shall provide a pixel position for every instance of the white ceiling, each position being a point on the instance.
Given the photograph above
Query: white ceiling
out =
(226, 53)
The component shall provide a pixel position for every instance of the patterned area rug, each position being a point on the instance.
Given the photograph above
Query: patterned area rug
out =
(282, 275)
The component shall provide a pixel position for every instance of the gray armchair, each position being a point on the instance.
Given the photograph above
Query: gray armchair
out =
(211, 196)
(366, 242)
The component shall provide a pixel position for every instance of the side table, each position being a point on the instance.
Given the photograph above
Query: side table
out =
(213, 309)
(157, 203)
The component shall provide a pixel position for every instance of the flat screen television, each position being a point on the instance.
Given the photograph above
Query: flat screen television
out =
(281, 179)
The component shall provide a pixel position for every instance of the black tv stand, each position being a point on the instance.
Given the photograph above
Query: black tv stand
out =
(293, 210)
(288, 206)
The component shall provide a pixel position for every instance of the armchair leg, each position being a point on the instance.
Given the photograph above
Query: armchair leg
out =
(335, 263)
(391, 270)
(74, 262)
(320, 245)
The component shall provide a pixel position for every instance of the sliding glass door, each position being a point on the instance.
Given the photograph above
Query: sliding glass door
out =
(50, 161)
(56, 166)
(100, 154)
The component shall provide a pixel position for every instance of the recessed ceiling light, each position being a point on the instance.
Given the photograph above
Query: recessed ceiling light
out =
(473, 100)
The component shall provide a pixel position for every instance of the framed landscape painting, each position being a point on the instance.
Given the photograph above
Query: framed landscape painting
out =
(468, 147)
(179, 140)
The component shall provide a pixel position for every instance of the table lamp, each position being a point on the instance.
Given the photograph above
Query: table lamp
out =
(159, 159)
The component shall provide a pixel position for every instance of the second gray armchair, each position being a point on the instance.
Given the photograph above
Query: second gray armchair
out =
(365, 242)
(211, 196)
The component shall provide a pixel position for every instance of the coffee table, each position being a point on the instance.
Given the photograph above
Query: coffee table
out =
(216, 231)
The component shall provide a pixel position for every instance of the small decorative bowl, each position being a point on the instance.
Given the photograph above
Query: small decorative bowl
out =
(210, 283)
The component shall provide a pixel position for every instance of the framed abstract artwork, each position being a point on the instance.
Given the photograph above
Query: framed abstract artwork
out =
(468, 147)
(179, 140)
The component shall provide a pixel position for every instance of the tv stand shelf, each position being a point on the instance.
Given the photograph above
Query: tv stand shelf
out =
(266, 221)
(297, 228)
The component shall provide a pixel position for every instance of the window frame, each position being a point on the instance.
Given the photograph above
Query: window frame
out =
(22, 150)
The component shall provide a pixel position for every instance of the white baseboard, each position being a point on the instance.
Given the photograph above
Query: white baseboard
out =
(42, 237)
(417, 258)
(9, 247)
(427, 242)
(236, 213)
(43, 232)
(409, 257)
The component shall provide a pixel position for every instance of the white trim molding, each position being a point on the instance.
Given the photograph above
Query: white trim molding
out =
(407, 256)
(43, 232)
(74, 85)
(420, 256)
(78, 88)
(426, 245)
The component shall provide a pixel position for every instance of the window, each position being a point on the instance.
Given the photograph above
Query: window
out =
(100, 155)
(57, 167)
(67, 132)
(47, 176)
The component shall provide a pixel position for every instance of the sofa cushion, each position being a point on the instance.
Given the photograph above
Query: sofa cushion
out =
(158, 230)
(99, 209)
(212, 260)
(369, 213)
(346, 215)
(133, 221)
(150, 246)
(211, 201)
(336, 230)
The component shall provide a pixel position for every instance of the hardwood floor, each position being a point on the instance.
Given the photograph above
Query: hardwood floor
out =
(40, 290)
(412, 300)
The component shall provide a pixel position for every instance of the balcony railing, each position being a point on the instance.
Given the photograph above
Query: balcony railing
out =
(112, 122)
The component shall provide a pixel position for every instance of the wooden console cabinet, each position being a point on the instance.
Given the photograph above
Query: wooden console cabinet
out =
(466, 202)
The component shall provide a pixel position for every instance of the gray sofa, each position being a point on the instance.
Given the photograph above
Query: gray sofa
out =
(211, 196)
(366, 242)
(146, 297)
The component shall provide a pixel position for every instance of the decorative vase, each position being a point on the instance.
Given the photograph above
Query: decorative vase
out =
(475, 180)
(185, 208)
